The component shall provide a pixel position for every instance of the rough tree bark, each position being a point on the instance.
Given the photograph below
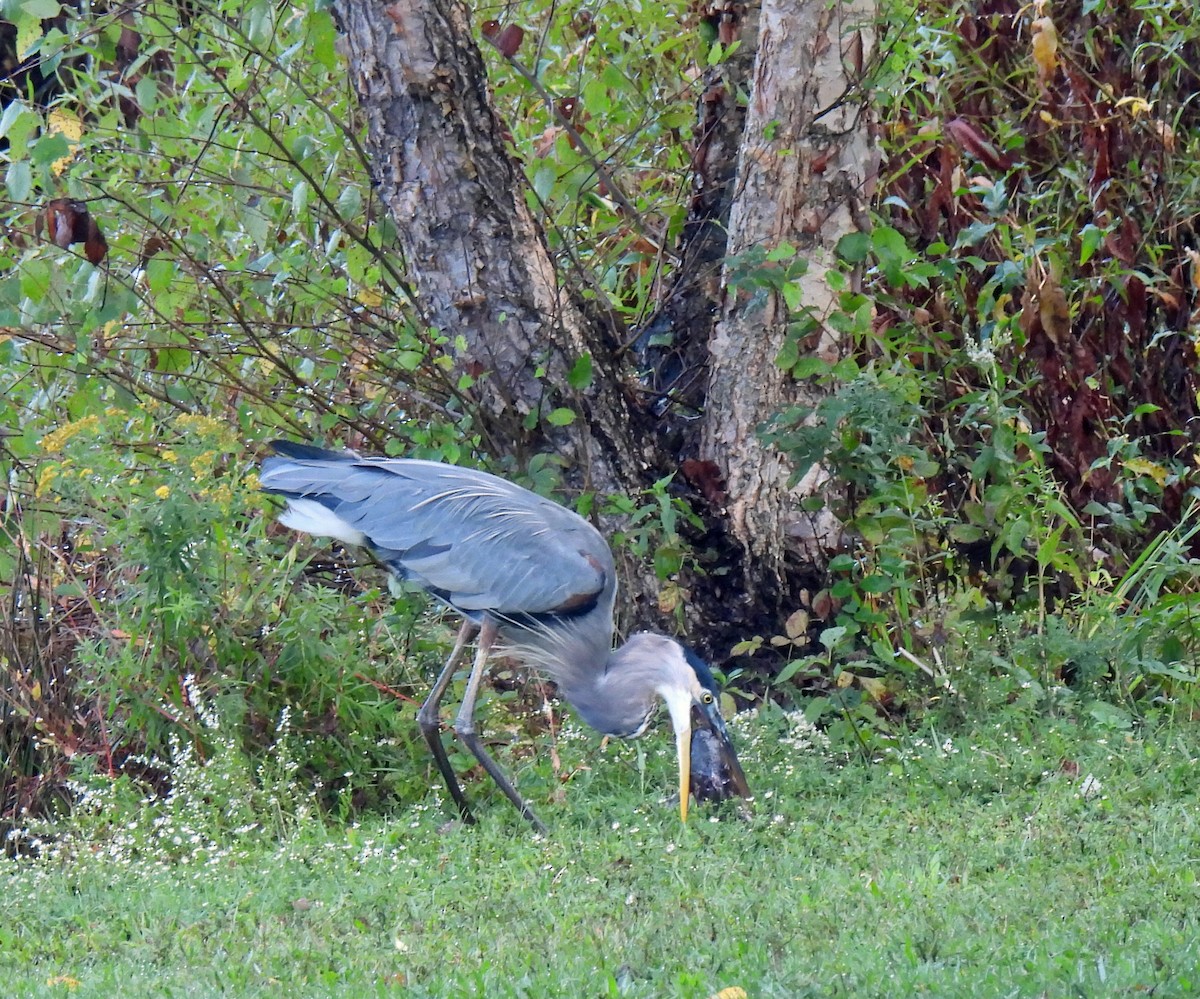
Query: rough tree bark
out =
(475, 255)
(805, 169)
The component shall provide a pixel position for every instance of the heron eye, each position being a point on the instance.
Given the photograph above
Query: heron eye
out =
(706, 697)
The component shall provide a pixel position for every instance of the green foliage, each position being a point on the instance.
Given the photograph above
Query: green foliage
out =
(653, 531)
(240, 267)
(176, 601)
(1009, 414)
(600, 107)
(994, 420)
(247, 267)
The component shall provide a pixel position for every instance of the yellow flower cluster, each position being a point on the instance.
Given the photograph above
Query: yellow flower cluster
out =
(221, 495)
(56, 440)
(202, 464)
(46, 477)
(206, 426)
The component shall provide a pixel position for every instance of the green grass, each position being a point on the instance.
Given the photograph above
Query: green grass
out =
(980, 869)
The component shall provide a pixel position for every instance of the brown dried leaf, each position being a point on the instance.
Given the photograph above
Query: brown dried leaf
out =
(545, 144)
(57, 221)
(567, 106)
(67, 222)
(1194, 257)
(128, 43)
(670, 597)
(706, 477)
(1165, 133)
(854, 53)
(1053, 310)
(1121, 243)
(583, 24)
(796, 626)
(874, 688)
(823, 605)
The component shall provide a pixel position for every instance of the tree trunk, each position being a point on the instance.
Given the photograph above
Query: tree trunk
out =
(475, 255)
(805, 168)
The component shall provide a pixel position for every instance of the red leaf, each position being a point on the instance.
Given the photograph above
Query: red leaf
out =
(60, 221)
(67, 222)
(823, 605)
(510, 40)
(95, 246)
(971, 140)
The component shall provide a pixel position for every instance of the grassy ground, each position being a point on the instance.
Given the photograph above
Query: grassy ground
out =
(1061, 864)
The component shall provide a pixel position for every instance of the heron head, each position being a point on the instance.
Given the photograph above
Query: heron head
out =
(693, 700)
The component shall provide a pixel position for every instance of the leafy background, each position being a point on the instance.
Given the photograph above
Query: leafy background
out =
(195, 263)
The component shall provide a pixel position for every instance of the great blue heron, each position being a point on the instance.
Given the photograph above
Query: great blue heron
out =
(532, 579)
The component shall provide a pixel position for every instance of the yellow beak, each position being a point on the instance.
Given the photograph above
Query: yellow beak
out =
(683, 745)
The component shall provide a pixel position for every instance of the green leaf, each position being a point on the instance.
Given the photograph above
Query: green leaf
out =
(19, 180)
(788, 354)
(1089, 239)
(889, 242)
(892, 252)
(793, 295)
(146, 92)
(322, 38)
(22, 124)
(13, 111)
(807, 367)
(560, 417)
(172, 360)
(35, 275)
(41, 9)
(300, 195)
(160, 271)
(409, 360)
(349, 202)
(1110, 715)
(667, 562)
(49, 148)
(853, 247)
(831, 637)
(544, 180)
(790, 670)
(974, 234)
(580, 375)
(876, 583)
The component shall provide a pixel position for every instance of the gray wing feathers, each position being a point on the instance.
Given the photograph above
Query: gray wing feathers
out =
(478, 541)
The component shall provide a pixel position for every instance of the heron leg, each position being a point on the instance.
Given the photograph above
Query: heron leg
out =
(464, 726)
(429, 718)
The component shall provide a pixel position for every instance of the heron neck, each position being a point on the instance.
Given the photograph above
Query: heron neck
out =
(607, 702)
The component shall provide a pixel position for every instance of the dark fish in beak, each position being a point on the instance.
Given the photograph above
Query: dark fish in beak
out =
(716, 774)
